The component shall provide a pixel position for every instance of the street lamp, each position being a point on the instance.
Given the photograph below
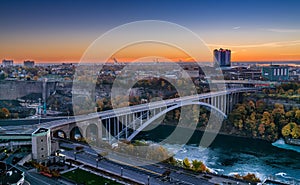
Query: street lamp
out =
(121, 171)
(75, 155)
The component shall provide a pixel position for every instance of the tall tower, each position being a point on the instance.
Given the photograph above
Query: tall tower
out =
(222, 58)
(217, 56)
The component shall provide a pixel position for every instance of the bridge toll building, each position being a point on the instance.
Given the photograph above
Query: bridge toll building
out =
(41, 144)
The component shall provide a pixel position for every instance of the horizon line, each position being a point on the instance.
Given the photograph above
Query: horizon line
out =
(77, 62)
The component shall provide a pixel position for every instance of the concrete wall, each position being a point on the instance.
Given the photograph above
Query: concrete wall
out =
(11, 90)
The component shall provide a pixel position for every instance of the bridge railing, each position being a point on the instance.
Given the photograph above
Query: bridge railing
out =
(132, 125)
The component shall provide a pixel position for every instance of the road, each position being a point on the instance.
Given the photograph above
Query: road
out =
(140, 173)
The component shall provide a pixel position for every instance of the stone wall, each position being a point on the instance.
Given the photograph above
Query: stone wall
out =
(14, 89)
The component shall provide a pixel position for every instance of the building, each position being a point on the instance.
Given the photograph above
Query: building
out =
(11, 175)
(7, 63)
(28, 63)
(275, 73)
(222, 57)
(41, 144)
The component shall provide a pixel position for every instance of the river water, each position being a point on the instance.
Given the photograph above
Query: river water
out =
(229, 155)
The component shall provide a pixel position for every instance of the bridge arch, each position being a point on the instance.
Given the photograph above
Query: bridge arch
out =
(76, 133)
(60, 134)
(92, 131)
(148, 122)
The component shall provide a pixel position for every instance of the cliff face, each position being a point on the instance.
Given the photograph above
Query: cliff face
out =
(11, 90)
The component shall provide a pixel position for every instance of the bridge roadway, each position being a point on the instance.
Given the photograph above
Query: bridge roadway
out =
(254, 82)
(142, 107)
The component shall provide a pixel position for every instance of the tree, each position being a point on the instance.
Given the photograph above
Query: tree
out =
(251, 178)
(4, 113)
(250, 124)
(186, 163)
(261, 129)
(199, 166)
(295, 132)
(297, 116)
(278, 112)
(266, 118)
(290, 115)
(35, 78)
(177, 114)
(100, 104)
(260, 106)
(251, 106)
(291, 129)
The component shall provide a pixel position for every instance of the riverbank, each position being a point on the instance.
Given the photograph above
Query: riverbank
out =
(229, 155)
(291, 141)
(280, 143)
(220, 132)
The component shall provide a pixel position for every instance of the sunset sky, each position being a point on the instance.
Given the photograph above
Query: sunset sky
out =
(61, 30)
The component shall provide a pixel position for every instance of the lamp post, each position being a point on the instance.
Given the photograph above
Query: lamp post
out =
(75, 155)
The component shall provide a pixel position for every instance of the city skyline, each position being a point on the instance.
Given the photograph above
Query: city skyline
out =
(61, 31)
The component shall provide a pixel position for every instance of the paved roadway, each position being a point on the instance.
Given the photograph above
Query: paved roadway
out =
(141, 173)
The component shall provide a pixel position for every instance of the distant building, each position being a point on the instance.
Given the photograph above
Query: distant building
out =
(275, 73)
(222, 57)
(41, 144)
(7, 63)
(29, 63)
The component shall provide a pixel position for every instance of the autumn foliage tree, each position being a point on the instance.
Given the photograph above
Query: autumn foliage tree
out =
(291, 130)
(258, 120)
(4, 113)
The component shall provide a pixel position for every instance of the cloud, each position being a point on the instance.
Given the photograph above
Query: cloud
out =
(236, 28)
(280, 30)
(267, 44)
(290, 54)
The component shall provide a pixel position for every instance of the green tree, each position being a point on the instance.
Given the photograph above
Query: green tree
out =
(199, 166)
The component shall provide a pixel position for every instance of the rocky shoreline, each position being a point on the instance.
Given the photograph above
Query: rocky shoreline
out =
(290, 141)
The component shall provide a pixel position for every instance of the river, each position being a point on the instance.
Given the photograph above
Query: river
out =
(229, 155)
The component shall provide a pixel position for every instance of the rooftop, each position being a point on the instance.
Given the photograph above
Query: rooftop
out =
(12, 175)
(40, 130)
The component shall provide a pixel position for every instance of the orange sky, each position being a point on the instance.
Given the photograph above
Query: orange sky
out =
(71, 47)
(61, 31)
